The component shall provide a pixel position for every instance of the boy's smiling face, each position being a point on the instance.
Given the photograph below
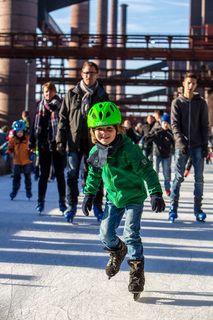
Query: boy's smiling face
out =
(106, 134)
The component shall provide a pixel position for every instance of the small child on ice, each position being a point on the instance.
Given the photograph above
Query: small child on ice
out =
(124, 169)
(18, 145)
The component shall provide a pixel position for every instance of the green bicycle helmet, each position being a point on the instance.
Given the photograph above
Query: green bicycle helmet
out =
(103, 114)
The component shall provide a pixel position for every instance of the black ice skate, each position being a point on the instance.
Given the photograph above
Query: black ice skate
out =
(13, 195)
(40, 206)
(116, 258)
(29, 194)
(136, 277)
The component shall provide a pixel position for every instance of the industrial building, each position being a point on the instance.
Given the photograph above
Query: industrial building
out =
(33, 50)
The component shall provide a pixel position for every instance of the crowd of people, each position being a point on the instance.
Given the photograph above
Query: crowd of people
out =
(84, 133)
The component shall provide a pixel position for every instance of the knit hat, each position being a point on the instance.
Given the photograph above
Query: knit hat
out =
(165, 117)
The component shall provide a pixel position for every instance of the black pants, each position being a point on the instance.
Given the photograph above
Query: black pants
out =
(17, 171)
(46, 159)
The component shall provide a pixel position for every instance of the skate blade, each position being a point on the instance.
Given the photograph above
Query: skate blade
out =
(136, 295)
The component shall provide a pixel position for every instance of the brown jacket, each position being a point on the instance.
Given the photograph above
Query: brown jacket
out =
(20, 150)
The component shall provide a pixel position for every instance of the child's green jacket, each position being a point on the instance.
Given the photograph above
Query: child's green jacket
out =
(124, 173)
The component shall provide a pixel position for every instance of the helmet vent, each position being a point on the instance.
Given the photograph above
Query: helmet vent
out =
(100, 115)
(108, 114)
(112, 108)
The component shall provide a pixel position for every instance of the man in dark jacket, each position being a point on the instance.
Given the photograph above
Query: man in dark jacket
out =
(42, 136)
(73, 133)
(189, 115)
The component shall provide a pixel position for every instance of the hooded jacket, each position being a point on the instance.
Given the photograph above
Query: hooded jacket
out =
(124, 174)
(189, 122)
(72, 127)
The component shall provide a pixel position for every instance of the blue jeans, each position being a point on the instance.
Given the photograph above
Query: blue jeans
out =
(180, 163)
(111, 221)
(74, 162)
(166, 166)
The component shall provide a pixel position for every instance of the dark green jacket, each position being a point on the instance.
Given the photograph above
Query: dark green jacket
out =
(124, 175)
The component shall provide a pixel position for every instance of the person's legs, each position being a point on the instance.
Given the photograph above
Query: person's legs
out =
(45, 163)
(27, 175)
(58, 161)
(166, 165)
(198, 164)
(73, 161)
(135, 247)
(16, 180)
(180, 163)
(156, 163)
(112, 243)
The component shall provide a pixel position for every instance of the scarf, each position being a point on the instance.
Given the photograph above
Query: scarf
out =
(52, 107)
(86, 99)
(98, 159)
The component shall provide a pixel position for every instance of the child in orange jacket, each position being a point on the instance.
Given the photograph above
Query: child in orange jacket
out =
(18, 145)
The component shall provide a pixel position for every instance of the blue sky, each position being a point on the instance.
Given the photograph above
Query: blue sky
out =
(143, 16)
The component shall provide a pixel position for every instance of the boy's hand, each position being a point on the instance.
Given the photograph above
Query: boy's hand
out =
(87, 204)
(157, 202)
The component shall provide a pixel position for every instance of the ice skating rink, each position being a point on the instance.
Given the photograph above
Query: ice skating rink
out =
(51, 270)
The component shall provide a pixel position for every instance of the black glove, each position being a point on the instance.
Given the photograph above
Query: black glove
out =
(205, 150)
(31, 146)
(60, 148)
(87, 204)
(157, 202)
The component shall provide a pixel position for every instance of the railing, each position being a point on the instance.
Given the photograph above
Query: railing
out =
(16, 40)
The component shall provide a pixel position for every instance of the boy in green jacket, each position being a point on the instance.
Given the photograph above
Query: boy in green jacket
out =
(124, 169)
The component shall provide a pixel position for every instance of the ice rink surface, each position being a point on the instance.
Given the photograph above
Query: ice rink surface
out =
(52, 270)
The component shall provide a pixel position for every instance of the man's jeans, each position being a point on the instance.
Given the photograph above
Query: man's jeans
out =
(166, 166)
(180, 163)
(111, 221)
(74, 163)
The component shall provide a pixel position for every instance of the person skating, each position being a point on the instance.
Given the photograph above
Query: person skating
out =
(189, 116)
(18, 146)
(42, 138)
(124, 170)
(73, 134)
(163, 147)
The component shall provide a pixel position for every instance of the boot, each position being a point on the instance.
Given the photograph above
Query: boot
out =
(29, 194)
(40, 206)
(70, 212)
(62, 206)
(13, 195)
(136, 276)
(116, 258)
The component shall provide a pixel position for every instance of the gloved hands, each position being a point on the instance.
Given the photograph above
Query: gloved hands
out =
(31, 146)
(87, 204)
(157, 202)
(60, 148)
(204, 150)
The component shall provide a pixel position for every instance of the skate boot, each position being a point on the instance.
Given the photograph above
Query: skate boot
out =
(172, 216)
(116, 258)
(98, 212)
(29, 194)
(70, 213)
(40, 206)
(200, 216)
(13, 195)
(62, 206)
(136, 277)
